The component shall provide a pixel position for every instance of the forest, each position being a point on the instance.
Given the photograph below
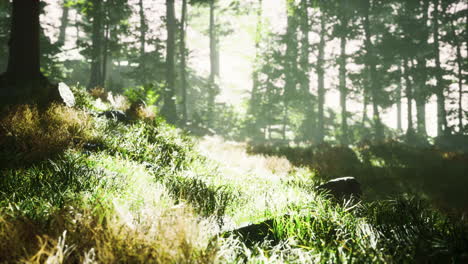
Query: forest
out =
(233, 131)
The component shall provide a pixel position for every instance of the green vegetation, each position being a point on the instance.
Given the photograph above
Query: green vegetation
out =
(143, 192)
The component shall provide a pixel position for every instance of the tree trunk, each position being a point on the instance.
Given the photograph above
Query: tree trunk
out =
(343, 91)
(409, 97)
(169, 108)
(399, 88)
(183, 58)
(253, 104)
(24, 58)
(422, 92)
(143, 28)
(63, 24)
(23, 81)
(459, 62)
(372, 73)
(320, 77)
(290, 62)
(441, 112)
(96, 53)
(214, 64)
(105, 54)
(305, 45)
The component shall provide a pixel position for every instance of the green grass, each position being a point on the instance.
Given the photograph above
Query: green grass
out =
(144, 192)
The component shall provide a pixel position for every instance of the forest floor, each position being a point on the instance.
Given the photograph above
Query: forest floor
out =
(80, 188)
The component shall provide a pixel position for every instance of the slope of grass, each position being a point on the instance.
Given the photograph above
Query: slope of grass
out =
(143, 192)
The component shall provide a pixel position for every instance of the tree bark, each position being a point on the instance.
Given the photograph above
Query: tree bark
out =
(183, 58)
(143, 28)
(169, 108)
(96, 53)
(321, 84)
(372, 73)
(441, 112)
(23, 82)
(214, 63)
(409, 97)
(24, 56)
(63, 24)
(343, 91)
(399, 88)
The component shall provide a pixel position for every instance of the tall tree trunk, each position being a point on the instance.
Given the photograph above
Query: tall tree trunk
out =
(169, 108)
(63, 24)
(23, 82)
(441, 112)
(343, 91)
(183, 58)
(253, 104)
(409, 97)
(24, 56)
(290, 62)
(422, 92)
(372, 73)
(143, 28)
(459, 62)
(310, 120)
(96, 53)
(321, 76)
(399, 88)
(305, 45)
(214, 64)
(460, 87)
(105, 54)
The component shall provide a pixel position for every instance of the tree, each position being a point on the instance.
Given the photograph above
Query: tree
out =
(214, 61)
(183, 58)
(320, 69)
(169, 108)
(23, 80)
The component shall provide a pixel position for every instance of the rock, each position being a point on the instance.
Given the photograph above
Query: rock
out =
(254, 233)
(342, 188)
(66, 94)
(116, 115)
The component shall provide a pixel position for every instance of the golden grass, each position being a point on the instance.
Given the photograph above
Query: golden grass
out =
(38, 134)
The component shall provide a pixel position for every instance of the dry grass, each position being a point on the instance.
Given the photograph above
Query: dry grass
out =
(36, 134)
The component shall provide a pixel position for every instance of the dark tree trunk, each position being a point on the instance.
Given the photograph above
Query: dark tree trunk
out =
(372, 73)
(24, 58)
(96, 53)
(422, 91)
(459, 62)
(441, 112)
(23, 81)
(409, 97)
(63, 24)
(183, 58)
(321, 85)
(399, 88)
(169, 108)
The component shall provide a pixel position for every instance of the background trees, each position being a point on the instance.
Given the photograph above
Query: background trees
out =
(321, 71)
